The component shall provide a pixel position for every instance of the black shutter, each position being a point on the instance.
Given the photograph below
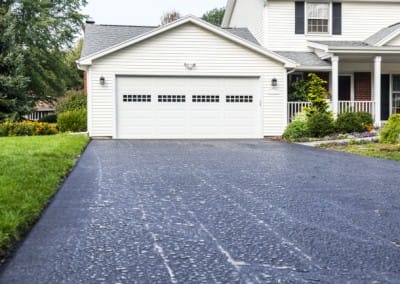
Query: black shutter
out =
(299, 14)
(337, 19)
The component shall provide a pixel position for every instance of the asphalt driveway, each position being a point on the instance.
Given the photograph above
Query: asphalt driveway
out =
(217, 212)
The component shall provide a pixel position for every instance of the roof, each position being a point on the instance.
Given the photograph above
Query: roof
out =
(342, 43)
(379, 36)
(305, 59)
(101, 40)
(101, 37)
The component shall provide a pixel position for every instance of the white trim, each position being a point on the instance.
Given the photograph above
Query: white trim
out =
(230, 7)
(194, 20)
(388, 38)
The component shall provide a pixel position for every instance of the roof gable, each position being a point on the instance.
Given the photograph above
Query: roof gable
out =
(135, 36)
(384, 35)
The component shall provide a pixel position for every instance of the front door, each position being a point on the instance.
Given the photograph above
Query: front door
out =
(385, 97)
(344, 88)
(396, 94)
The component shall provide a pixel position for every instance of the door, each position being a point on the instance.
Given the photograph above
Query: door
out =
(385, 97)
(188, 108)
(396, 94)
(344, 88)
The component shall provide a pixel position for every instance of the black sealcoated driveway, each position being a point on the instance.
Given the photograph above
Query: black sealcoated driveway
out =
(243, 211)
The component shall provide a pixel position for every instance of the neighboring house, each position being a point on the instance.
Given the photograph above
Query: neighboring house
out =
(42, 109)
(190, 79)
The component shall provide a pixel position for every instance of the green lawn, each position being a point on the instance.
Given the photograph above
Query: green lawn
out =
(376, 150)
(31, 171)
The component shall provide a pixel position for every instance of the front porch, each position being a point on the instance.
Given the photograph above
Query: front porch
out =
(359, 83)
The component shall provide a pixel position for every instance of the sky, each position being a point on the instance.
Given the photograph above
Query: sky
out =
(144, 12)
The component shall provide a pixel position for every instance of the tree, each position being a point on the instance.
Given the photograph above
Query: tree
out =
(214, 16)
(74, 78)
(169, 17)
(317, 95)
(42, 32)
(13, 82)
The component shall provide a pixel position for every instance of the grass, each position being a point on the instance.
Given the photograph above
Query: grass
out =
(31, 171)
(371, 149)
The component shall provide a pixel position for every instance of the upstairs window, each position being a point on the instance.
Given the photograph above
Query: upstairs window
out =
(318, 18)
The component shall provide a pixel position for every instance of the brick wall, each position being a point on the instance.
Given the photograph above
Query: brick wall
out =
(362, 86)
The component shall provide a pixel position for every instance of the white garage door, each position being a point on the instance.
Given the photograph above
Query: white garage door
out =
(188, 108)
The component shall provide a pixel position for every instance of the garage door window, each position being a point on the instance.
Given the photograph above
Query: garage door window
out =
(205, 99)
(136, 98)
(171, 99)
(239, 99)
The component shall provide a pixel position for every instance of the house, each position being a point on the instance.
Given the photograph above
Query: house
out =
(190, 79)
(42, 109)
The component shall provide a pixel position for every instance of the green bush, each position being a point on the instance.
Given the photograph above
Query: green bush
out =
(391, 132)
(295, 130)
(348, 122)
(73, 100)
(26, 128)
(52, 118)
(74, 121)
(320, 124)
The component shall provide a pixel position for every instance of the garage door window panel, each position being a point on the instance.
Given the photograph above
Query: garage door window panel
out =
(239, 99)
(136, 98)
(171, 98)
(205, 99)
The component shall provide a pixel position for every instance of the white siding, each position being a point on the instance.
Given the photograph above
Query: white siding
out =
(394, 42)
(249, 14)
(360, 20)
(166, 55)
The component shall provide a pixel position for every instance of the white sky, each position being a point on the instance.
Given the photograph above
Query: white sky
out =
(144, 12)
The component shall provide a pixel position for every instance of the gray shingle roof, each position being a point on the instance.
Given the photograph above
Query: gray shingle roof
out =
(101, 37)
(342, 43)
(309, 59)
(383, 33)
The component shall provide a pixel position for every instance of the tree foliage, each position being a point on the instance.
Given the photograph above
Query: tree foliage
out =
(317, 95)
(214, 16)
(169, 17)
(34, 39)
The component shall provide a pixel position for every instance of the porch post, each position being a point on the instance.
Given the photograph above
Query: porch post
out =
(377, 89)
(335, 84)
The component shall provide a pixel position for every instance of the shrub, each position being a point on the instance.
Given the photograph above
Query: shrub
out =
(320, 124)
(26, 128)
(299, 91)
(74, 121)
(52, 118)
(73, 100)
(348, 122)
(295, 130)
(391, 132)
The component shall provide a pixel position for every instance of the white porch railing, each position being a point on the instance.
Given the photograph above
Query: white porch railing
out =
(343, 106)
(357, 106)
(294, 108)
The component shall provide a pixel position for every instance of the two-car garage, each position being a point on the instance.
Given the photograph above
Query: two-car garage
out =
(188, 107)
(185, 80)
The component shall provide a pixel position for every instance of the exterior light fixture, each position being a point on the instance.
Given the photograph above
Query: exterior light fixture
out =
(190, 66)
(102, 81)
(274, 82)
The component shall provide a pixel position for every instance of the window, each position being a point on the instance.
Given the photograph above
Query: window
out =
(239, 99)
(396, 94)
(171, 99)
(318, 17)
(205, 99)
(137, 98)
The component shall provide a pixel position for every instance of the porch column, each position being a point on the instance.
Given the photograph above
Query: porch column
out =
(335, 84)
(377, 89)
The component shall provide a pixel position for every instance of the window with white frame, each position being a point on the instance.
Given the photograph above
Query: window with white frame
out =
(318, 17)
(396, 94)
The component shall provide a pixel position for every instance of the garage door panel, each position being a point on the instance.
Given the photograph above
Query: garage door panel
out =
(185, 108)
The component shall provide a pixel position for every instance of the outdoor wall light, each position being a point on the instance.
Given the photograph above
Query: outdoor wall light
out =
(190, 66)
(102, 81)
(274, 82)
